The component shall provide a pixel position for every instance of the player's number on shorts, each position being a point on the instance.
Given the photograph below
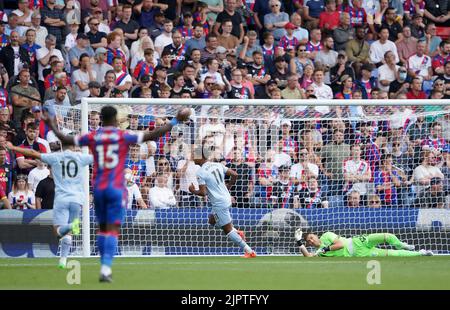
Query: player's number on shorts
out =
(70, 169)
(110, 159)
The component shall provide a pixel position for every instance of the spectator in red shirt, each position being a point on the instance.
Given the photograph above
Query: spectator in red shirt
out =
(329, 19)
(416, 91)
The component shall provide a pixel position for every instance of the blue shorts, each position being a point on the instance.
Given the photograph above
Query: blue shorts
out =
(109, 205)
(65, 213)
(222, 216)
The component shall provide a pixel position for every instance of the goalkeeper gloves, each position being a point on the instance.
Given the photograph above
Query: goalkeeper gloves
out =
(323, 250)
(298, 237)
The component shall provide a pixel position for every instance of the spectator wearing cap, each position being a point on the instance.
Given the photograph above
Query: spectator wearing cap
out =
(82, 47)
(329, 19)
(387, 72)
(249, 45)
(235, 17)
(341, 68)
(288, 41)
(130, 27)
(418, 27)
(226, 39)
(379, 48)
(13, 55)
(276, 20)
(100, 66)
(53, 19)
(198, 39)
(96, 37)
(82, 76)
(406, 45)
(400, 85)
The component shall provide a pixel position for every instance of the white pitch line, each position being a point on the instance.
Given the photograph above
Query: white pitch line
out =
(300, 262)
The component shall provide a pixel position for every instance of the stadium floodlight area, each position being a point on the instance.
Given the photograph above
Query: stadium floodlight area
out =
(352, 167)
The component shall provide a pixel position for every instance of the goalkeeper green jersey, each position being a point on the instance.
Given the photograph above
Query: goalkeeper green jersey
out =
(328, 238)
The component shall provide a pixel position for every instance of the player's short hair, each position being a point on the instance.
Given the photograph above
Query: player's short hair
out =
(108, 114)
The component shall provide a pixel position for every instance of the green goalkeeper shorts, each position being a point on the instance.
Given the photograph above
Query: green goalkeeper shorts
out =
(361, 248)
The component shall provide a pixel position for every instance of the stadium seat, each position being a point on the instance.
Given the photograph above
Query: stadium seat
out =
(443, 32)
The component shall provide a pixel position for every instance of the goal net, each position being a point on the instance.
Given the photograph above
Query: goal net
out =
(320, 166)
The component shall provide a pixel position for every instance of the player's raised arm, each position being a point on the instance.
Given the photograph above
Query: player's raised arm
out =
(182, 116)
(26, 152)
(50, 121)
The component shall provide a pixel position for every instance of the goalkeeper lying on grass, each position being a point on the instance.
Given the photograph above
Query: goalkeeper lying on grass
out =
(331, 244)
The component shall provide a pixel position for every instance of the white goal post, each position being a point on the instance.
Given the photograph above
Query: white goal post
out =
(330, 190)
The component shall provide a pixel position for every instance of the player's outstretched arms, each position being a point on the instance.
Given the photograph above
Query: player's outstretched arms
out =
(233, 177)
(26, 152)
(201, 191)
(182, 116)
(50, 121)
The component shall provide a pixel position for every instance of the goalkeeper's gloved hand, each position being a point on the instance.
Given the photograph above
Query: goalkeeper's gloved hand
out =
(323, 250)
(298, 237)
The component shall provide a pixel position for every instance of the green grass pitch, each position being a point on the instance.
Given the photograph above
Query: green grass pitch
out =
(231, 273)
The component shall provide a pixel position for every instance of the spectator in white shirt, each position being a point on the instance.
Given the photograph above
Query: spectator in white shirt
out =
(356, 172)
(387, 72)
(134, 194)
(379, 48)
(43, 55)
(165, 38)
(161, 196)
(321, 90)
(426, 171)
(303, 170)
(37, 174)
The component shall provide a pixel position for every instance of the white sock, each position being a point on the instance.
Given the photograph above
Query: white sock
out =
(63, 260)
(248, 249)
(105, 270)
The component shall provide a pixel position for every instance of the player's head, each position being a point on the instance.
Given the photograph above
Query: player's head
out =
(65, 146)
(311, 239)
(109, 116)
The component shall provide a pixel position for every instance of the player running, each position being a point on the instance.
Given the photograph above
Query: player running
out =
(109, 145)
(68, 174)
(211, 182)
(331, 244)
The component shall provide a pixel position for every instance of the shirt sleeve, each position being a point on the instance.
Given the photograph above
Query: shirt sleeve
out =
(200, 178)
(328, 238)
(86, 159)
(83, 140)
(133, 137)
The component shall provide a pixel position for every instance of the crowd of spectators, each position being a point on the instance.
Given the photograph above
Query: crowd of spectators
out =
(55, 52)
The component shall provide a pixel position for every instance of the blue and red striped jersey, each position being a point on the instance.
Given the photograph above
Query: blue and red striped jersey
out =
(109, 146)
